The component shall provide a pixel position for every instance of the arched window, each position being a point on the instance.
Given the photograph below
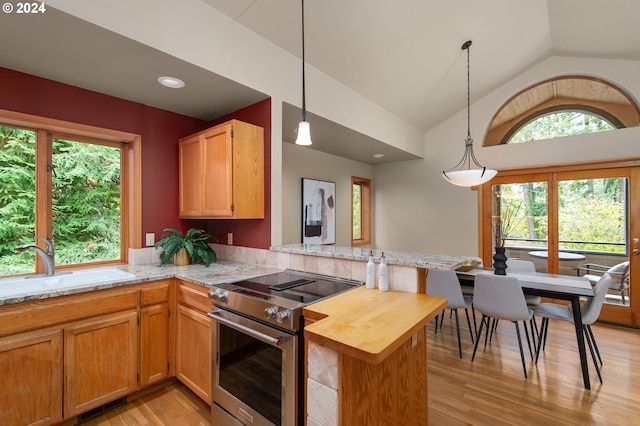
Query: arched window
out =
(592, 104)
(560, 124)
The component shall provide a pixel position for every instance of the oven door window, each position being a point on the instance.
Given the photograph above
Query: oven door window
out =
(251, 371)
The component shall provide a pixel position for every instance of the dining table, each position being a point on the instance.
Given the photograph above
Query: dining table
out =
(554, 286)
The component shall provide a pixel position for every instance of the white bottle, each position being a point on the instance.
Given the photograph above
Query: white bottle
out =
(383, 274)
(371, 271)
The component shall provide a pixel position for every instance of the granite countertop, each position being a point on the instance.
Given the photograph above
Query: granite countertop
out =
(402, 258)
(216, 273)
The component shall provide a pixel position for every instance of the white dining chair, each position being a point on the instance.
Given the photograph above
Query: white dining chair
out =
(445, 283)
(525, 266)
(501, 297)
(590, 311)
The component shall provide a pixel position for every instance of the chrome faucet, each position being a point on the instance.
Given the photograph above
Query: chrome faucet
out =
(47, 256)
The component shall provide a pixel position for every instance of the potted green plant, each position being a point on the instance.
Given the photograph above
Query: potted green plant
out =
(191, 247)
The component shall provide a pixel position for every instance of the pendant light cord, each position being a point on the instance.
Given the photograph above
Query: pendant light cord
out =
(466, 47)
(304, 103)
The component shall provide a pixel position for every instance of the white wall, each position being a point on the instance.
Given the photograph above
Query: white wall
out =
(304, 162)
(416, 210)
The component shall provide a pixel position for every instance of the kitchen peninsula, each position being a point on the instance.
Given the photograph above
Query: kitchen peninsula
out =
(373, 344)
(366, 350)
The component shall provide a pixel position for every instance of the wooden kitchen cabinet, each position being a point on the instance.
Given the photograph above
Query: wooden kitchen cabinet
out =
(100, 361)
(222, 172)
(155, 333)
(31, 372)
(194, 340)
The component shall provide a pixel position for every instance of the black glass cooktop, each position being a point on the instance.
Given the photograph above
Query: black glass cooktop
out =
(300, 287)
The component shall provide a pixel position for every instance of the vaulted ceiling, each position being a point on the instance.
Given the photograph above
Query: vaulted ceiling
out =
(403, 55)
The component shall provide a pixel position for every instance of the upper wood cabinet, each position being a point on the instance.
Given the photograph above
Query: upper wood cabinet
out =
(222, 172)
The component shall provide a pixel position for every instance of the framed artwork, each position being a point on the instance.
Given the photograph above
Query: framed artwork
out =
(318, 211)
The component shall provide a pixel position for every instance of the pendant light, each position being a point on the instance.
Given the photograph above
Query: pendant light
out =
(304, 130)
(462, 174)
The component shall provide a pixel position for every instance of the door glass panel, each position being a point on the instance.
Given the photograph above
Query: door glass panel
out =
(592, 232)
(519, 219)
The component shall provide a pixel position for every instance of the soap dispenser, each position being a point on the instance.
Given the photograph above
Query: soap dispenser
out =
(383, 274)
(371, 271)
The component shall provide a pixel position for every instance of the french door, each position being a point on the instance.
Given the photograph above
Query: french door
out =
(570, 222)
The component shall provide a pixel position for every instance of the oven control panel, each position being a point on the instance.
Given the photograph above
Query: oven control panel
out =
(254, 304)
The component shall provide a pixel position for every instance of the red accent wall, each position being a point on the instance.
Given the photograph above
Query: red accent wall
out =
(160, 131)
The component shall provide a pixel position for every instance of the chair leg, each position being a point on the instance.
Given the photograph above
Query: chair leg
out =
(442, 319)
(534, 329)
(475, 346)
(524, 366)
(593, 339)
(546, 331)
(473, 312)
(486, 335)
(436, 330)
(541, 336)
(494, 325)
(455, 311)
(526, 332)
(593, 354)
(466, 312)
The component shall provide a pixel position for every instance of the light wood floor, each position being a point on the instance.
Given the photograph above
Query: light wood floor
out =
(490, 391)
(493, 391)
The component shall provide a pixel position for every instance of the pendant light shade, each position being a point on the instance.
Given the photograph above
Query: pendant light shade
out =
(304, 133)
(304, 129)
(462, 174)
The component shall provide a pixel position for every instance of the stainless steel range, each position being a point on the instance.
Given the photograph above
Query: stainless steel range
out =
(258, 347)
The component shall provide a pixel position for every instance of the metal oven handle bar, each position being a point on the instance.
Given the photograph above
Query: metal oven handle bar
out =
(272, 340)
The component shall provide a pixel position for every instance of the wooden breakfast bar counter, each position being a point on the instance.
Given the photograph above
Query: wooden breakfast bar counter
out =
(369, 349)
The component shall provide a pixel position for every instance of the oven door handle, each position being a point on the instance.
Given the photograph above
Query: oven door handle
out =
(272, 340)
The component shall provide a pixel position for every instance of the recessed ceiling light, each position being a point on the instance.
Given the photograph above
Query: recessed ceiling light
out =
(378, 155)
(172, 82)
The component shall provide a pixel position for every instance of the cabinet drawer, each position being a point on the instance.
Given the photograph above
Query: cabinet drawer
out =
(155, 293)
(41, 313)
(194, 296)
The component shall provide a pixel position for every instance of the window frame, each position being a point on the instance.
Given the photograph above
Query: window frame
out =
(365, 211)
(131, 173)
(551, 175)
(589, 95)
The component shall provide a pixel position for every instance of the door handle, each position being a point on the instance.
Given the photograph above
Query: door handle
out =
(636, 252)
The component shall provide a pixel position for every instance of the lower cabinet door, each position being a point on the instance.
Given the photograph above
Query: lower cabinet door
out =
(154, 344)
(100, 361)
(193, 351)
(31, 378)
